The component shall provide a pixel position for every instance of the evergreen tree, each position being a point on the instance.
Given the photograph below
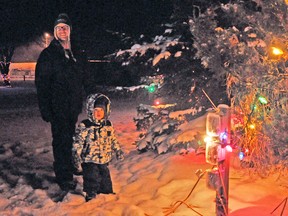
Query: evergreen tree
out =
(245, 43)
(171, 55)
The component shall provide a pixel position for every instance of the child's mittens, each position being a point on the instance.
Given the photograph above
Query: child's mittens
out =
(120, 155)
(77, 169)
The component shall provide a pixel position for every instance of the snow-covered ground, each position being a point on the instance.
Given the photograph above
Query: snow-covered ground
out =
(145, 184)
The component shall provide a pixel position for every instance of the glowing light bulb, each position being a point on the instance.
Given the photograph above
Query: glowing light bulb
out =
(157, 102)
(207, 139)
(229, 148)
(223, 136)
(241, 155)
(262, 100)
(151, 88)
(277, 51)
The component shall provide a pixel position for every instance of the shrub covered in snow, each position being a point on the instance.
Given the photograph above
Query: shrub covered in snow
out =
(168, 130)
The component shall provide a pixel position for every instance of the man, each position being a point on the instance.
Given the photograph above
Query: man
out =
(60, 77)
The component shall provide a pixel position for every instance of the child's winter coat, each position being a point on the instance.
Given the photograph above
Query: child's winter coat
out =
(94, 140)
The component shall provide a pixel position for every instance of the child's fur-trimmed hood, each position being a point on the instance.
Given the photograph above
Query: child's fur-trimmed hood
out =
(99, 99)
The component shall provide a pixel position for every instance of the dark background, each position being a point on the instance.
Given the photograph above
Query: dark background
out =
(99, 25)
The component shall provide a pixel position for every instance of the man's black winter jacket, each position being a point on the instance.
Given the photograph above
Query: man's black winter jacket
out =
(59, 82)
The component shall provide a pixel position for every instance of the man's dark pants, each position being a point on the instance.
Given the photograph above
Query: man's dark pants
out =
(62, 133)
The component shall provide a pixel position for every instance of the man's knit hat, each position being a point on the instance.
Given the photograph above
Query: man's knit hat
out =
(63, 18)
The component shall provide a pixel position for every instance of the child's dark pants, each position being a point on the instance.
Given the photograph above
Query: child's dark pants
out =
(96, 178)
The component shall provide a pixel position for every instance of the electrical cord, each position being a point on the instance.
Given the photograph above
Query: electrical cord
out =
(284, 206)
(172, 209)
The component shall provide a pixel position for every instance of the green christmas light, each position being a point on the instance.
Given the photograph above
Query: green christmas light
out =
(262, 100)
(151, 88)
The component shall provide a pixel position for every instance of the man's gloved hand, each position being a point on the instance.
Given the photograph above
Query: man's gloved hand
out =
(46, 114)
(46, 118)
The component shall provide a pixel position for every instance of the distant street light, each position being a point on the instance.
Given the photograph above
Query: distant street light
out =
(46, 35)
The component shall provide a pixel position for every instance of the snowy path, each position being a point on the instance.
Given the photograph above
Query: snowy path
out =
(145, 184)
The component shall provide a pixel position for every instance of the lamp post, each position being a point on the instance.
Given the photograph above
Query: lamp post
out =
(46, 36)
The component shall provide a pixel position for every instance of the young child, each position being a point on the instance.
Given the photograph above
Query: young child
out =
(94, 143)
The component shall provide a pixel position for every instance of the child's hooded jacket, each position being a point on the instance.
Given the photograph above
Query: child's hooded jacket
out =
(95, 141)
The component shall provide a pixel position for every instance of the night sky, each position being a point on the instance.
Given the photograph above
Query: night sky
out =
(23, 21)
